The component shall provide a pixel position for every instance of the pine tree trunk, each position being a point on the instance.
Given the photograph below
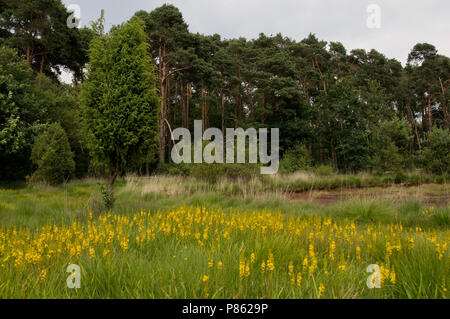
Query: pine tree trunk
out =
(176, 104)
(430, 116)
(183, 104)
(162, 131)
(413, 123)
(188, 95)
(29, 53)
(41, 70)
(204, 111)
(444, 105)
(222, 102)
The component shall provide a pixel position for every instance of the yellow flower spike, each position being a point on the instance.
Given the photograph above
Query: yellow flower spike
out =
(247, 269)
(270, 262)
(392, 276)
(305, 265)
(91, 253)
(321, 290)
(241, 268)
(299, 279)
(444, 288)
(332, 249)
(205, 278)
(43, 275)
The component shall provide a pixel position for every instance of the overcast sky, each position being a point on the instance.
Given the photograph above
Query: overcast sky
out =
(403, 22)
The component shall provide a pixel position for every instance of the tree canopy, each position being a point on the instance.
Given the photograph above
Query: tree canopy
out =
(351, 109)
(118, 100)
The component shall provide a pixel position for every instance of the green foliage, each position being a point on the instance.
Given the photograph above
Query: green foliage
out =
(323, 170)
(14, 90)
(21, 114)
(212, 173)
(119, 99)
(107, 197)
(53, 157)
(387, 158)
(357, 110)
(436, 153)
(391, 146)
(296, 159)
(62, 105)
(38, 30)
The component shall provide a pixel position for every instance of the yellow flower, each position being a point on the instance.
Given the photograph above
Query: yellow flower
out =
(247, 269)
(205, 278)
(411, 243)
(43, 275)
(332, 248)
(305, 264)
(392, 276)
(241, 268)
(299, 279)
(321, 290)
(270, 262)
(219, 265)
(91, 253)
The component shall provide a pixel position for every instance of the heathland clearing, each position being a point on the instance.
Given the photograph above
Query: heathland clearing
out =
(169, 237)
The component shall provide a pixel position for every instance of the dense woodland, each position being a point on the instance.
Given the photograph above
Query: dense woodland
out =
(352, 110)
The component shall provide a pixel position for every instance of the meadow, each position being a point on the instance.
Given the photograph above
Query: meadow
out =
(175, 237)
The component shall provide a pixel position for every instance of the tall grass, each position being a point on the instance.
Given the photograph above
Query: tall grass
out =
(225, 240)
(201, 253)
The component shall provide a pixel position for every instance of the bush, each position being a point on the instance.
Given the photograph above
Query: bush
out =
(296, 159)
(436, 153)
(181, 169)
(212, 173)
(323, 170)
(53, 157)
(387, 158)
(391, 146)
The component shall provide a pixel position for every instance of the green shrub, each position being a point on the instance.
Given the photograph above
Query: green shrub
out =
(391, 146)
(296, 159)
(212, 173)
(181, 169)
(400, 176)
(53, 157)
(387, 158)
(436, 153)
(323, 170)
